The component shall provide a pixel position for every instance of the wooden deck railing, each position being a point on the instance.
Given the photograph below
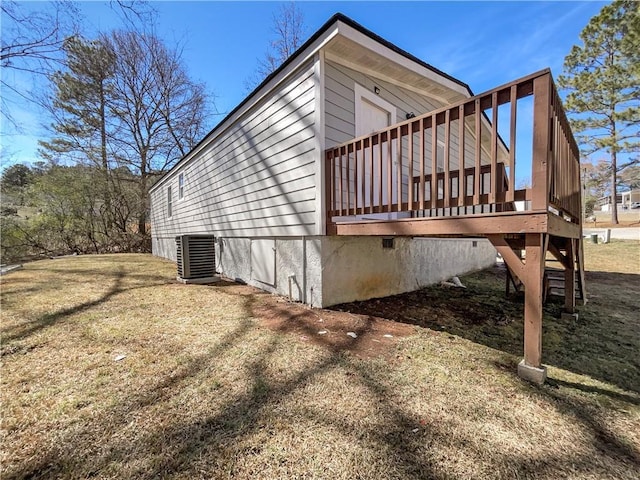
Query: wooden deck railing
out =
(399, 170)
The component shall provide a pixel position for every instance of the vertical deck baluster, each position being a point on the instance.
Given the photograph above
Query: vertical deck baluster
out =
(422, 160)
(331, 183)
(434, 164)
(364, 170)
(556, 182)
(462, 177)
(399, 169)
(477, 178)
(340, 181)
(568, 171)
(380, 172)
(447, 181)
(371, 185)
(512, 144)
(348, 179)
(410, 186)
(355, 178)
(389, 171)
(494, 149)
(559, 154)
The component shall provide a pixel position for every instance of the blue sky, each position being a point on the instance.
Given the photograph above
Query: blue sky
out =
(484, 44)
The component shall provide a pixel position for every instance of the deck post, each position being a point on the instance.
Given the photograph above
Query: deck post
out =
(570, 278)
(541, 142)
(531, 368)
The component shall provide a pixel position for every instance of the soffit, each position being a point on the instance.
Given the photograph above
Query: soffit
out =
(352, 54)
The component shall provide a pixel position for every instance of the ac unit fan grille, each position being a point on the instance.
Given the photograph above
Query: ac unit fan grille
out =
(196, 256)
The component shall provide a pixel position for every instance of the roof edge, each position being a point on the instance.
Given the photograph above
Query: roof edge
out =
(321, 31)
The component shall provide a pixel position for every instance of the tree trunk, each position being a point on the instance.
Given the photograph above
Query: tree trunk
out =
(104, 159)
(614, 183)
(142, 218)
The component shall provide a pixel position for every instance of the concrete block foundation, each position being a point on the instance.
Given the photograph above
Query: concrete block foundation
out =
(532, 374)
(327, 270)
(569, 316)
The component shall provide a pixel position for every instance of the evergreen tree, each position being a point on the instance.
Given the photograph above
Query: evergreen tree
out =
(125, 107)
(602, 77)
(80, 108)
(13, 182)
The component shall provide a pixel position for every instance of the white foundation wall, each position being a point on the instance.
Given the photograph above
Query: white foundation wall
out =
(359, 268)
(325, 271)
(295, 263)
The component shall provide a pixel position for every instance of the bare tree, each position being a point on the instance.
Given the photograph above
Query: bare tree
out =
(159, 110)
(136, 15)
(290, 33)
(32, 41)
(35, 35)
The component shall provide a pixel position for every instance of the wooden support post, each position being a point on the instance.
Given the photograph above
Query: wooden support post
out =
(531, 367)
(570, 278)
(580, 261)
(541, 142)
(513, 261)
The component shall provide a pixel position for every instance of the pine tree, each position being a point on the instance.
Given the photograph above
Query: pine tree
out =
(602, 77)
(80, 108)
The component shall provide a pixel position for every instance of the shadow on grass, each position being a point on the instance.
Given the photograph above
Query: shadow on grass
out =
(26, 329)
(604, 342)
(209, 436)
(173, 448)
(401, 437)
(604, 440)
(178, 449)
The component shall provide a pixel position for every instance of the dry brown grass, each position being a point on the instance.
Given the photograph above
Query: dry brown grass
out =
(210, 389)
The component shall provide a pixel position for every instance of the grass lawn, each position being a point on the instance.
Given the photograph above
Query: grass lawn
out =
(228, 382)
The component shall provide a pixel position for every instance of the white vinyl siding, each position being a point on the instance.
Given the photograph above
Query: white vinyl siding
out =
(257, 178)
(340, 84)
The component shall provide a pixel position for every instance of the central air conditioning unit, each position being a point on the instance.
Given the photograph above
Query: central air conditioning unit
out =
(196, 258)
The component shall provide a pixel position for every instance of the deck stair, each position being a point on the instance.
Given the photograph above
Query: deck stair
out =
(554, 284)
(554, 271)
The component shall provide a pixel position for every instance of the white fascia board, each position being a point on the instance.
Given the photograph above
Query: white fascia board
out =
(320, 121)
(358, 37)
(257, 97)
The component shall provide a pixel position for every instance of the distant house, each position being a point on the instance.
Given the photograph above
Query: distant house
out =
(604, 203)
(630, 199)
(357, 170)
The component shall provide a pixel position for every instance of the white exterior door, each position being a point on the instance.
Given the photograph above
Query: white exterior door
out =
(373, 114)
(372, 119)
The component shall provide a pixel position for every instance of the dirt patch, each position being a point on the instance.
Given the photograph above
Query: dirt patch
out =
(482, 306)
(366, 336)
(374, 336)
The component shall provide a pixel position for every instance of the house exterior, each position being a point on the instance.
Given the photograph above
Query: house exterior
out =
(630, 199)
(258, 182)
(604, 203)
(358, 171)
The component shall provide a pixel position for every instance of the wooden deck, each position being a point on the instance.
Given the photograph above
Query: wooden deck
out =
(450, 172)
